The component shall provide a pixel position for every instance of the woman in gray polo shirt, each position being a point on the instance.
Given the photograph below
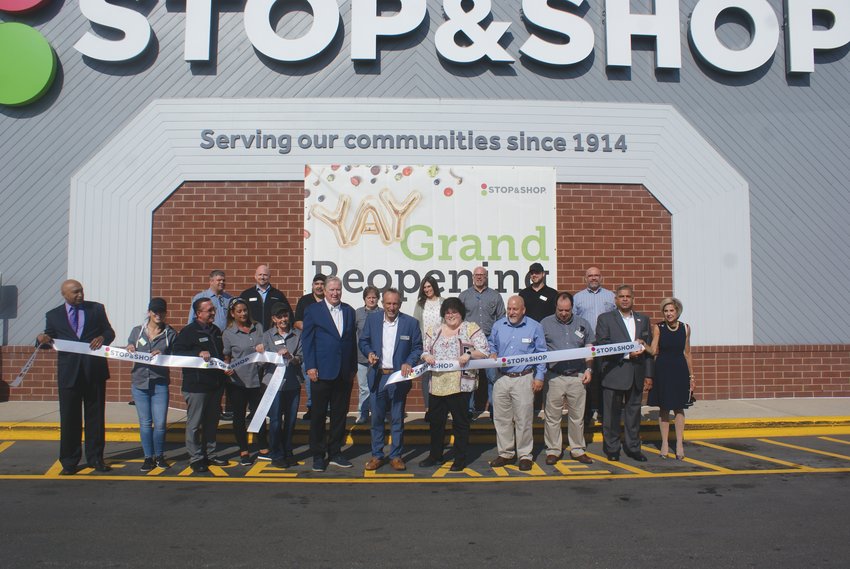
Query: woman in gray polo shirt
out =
(241, 338)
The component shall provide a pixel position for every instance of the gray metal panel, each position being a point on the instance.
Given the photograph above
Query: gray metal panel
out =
(787, 136)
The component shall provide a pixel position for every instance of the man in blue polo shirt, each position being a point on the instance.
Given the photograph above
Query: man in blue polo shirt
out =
(513, 392)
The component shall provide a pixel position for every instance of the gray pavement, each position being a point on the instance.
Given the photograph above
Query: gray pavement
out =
(731, 410)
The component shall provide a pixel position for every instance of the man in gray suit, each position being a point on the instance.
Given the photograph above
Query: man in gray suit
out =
(624, 377)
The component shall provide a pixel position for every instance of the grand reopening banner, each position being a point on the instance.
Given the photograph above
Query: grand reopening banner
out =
(391, 225)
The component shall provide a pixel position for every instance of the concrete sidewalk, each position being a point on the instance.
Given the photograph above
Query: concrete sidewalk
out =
(713, 419)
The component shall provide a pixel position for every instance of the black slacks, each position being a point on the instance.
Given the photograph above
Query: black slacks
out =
(243, 398)
(337, 392)
(618, 402)
(439, 408)
(85, 399)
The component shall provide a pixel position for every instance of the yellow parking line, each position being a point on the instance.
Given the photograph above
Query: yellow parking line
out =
(815, 451)
(752, 455)
(832, 440)
(693, 461)
(628, 467)
(7, 444)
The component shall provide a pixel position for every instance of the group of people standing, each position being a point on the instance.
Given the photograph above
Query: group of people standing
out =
(326, 344)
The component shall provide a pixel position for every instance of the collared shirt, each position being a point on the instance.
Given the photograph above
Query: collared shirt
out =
(80, 317)
(273, 341)
(390, 330)
(336, 315)
(238, 344)
(483, 308)
(590, 304)
(575, 333)
(526, 337)
(220, 301)
(539, 303)
(629, 322)
(264, 292)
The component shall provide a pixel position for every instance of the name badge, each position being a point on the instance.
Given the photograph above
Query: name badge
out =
(203, 339)
(526, 340)
(252, 300)
(580, 334)
(279, 342)
(404, 338)
(543, 298)
(142, 342)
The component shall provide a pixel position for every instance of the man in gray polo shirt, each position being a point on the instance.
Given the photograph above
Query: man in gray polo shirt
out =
(566, 380)
(483, 306)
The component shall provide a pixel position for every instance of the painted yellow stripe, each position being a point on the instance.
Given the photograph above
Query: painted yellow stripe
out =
(752, 455)
(7, 444)
(509, 479)
(695, 462)
(832, 440)
(619, 464)
(806, 449)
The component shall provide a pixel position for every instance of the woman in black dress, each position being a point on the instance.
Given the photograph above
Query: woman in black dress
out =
(674, 379)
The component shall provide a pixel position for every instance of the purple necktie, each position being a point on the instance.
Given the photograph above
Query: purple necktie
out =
(75, 319)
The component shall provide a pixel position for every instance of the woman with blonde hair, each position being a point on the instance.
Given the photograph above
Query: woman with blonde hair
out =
(674, 379)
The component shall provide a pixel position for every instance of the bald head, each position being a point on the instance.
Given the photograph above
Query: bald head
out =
(516, 309)
(262, 276)
(593, 278)
(72, 292)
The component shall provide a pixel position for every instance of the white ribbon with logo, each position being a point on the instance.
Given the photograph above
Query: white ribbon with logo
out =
(113, 353)
(528, 359)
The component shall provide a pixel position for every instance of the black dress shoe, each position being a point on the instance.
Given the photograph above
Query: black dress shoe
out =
(216, 461)
(100, 467)
(430, 461)
(638, 456)
(199, 466)
(68, 471)
(613, 457)
(458, 465)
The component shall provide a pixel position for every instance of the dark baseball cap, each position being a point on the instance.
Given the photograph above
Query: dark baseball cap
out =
(279, 308)
(536, 268)
(158, 305)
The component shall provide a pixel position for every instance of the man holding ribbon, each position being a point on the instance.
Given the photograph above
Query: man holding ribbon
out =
(392, 342)
(81, 378)
(202, 387)
(513, 392)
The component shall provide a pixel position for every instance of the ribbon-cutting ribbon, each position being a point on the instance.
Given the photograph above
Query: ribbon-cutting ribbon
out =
(528, 359)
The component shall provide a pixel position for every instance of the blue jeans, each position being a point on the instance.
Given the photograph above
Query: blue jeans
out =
(393, 397)
(363, 389)
(152, 408)
(307, 386)
(282, 416)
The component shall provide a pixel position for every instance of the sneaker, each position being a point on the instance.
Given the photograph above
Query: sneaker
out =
(280, 463)
(264, 456)
(319, 464)
(246, 460)
(341, 462)
(148, 464)
(291, 461)
(160, 463)
(216, 461)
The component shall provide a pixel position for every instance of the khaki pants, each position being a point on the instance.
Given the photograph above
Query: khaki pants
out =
(571, 389)
(513, 406)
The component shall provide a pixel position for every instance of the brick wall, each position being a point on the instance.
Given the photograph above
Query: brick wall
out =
(235, 226)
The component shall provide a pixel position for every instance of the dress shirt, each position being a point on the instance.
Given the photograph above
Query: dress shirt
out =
(219, 301)
(390, 330)
(336, 315)
(482, 307)
(80, 317)
(526, 337)
(590, 304)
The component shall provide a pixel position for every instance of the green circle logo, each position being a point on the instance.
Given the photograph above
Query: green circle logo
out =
(27, 64)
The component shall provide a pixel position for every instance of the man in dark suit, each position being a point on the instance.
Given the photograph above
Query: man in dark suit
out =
(624, 377)
(329, 341)
(403, 352)
(81, 378)
(262, 297)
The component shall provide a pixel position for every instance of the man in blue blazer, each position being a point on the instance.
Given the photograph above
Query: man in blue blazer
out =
(392, 342)
(329, 341)
(81, 378)
(624, 377)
